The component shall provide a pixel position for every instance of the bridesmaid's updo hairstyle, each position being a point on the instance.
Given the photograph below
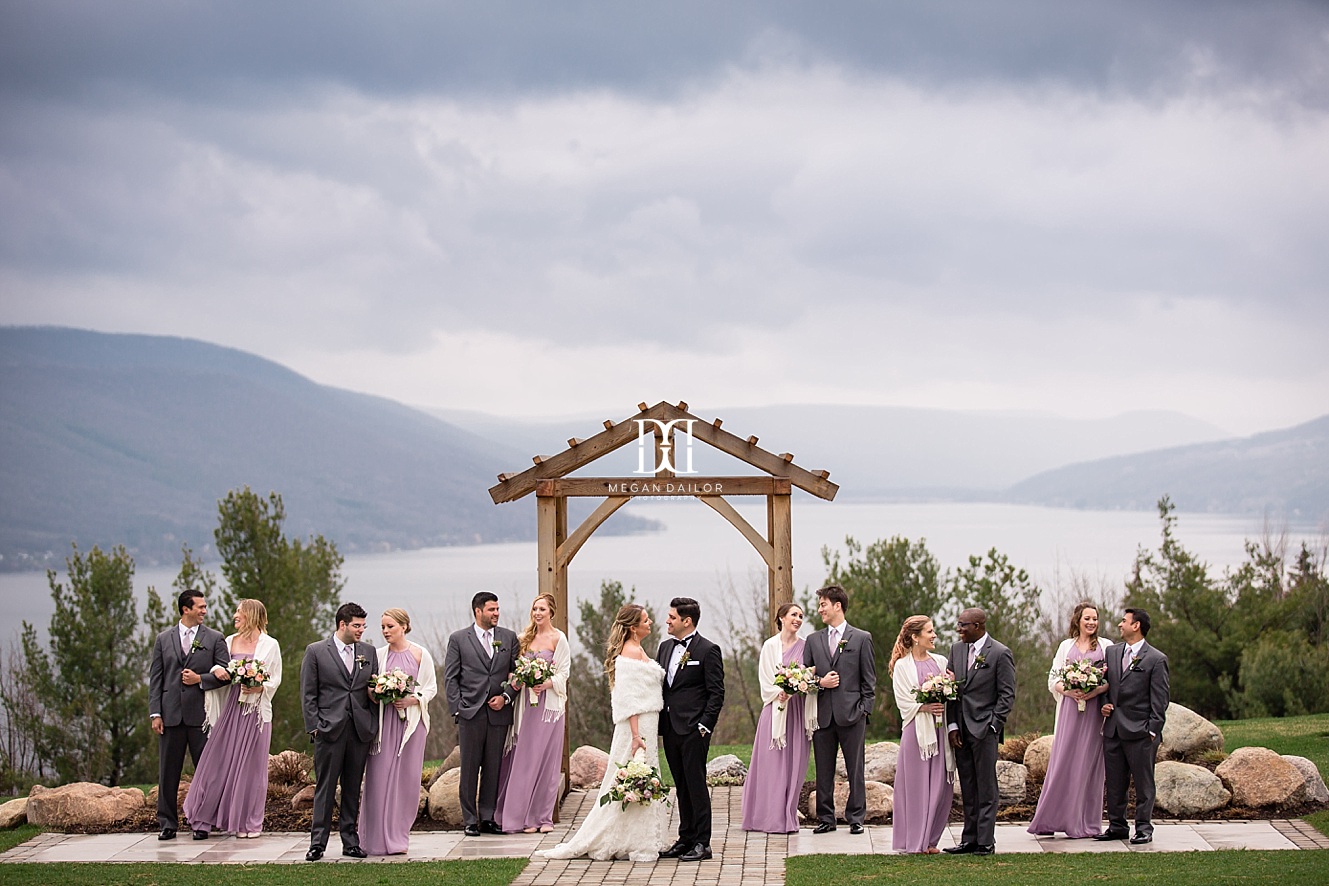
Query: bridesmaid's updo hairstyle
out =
(782, 612)
(628, 618)
(1075, 621)
(909, 631)
(400, 617)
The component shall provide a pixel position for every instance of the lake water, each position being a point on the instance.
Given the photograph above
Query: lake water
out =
(699, 554)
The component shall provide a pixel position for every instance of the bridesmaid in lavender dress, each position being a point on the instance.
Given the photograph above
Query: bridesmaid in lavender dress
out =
(780, 750)
(1072, 797)
(528, 786)
(925, 771)
(391, 798)
(230, 786)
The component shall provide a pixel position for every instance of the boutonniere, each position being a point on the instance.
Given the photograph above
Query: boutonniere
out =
(981, 661)
(360, 660)
(687, 656)
(840, 647)
(497, 644)
(1135, 665)
(195, 646)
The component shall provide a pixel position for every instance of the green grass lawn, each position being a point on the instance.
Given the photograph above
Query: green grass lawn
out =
(21, 834)
(1058, 869)
(479, 872)
(1306, 736)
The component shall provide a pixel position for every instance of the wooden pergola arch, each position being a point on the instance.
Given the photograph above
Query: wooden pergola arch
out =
(552, 487)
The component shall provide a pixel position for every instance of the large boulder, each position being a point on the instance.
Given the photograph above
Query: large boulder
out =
(1011, 778)
(586, 767)
(290, 768)
(1037, 755)
(1187, 735)
(303, 799)
(1259, 777)
(151, 800)
(880, 801)
(452, 760)
(445, 799)
(82, 805)
(879, 760)
(1316, 792)
(14, 813)
(1187, 791)
(726, 769)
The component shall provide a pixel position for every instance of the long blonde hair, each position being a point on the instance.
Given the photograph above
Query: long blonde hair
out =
(256, 615)
(528, 636)
(909, 631)
(628, 618)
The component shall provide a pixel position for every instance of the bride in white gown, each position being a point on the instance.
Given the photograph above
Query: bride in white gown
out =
(610, 831)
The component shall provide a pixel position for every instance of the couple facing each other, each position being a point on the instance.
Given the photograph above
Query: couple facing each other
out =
(673, 700)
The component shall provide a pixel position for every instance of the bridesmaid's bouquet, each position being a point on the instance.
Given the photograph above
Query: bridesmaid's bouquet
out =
(636, 782)
(795, 679)
(248, 673)
(1083, 675)
(937, 689)
(393, 685)
(531, 670)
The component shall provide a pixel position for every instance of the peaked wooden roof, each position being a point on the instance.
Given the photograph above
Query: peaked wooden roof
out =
(582, 452)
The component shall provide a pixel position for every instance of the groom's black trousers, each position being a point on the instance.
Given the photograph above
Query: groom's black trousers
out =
(686, 756)
(847, 740)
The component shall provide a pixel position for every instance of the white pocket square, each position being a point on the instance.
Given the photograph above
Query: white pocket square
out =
(692, 664)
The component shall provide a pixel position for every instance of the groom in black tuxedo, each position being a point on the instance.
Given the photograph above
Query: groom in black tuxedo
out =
(693, 696)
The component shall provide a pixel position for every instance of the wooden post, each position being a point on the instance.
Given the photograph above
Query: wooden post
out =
(779, 525)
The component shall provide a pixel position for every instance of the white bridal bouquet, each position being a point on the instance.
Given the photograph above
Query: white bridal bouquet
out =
(937, 688)
(636, 782)
(394, 685)
(795, 679)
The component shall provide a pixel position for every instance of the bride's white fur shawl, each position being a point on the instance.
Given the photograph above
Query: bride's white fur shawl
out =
(636, 688)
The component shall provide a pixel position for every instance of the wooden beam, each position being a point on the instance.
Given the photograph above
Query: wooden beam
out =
(568, 549)
(575, 441)
(780, 527)
(759, 458)
(599, 487)
(726, 510)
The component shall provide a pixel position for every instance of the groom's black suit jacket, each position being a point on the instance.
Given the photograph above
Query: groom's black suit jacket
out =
(697, 694)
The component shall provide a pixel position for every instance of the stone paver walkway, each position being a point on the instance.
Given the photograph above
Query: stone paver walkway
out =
(741, 858)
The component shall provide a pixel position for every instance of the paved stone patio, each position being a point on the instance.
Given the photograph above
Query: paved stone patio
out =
(741, 858)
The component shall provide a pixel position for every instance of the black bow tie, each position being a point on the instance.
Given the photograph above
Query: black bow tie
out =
(686, 641)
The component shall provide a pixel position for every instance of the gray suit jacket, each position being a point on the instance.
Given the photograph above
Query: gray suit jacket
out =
(857, 668)
(1139, 695)
(471, 677)
(987, 691)
(333, 698)
(178, 704)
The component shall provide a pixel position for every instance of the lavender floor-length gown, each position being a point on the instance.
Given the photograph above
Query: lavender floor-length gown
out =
(531, 771)
(775, 778)
(230, 786)
(1072, 797)
(923, 795)
(392, 780)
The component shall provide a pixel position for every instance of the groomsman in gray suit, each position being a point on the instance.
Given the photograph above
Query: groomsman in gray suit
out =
(188, 659)
(847, 681)
(342, 720)
(1138, 696)
(975, 723)
(476, 671)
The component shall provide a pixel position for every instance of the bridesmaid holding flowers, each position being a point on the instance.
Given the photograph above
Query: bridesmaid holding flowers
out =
(925, 771)
(1072, 797)
(784, 730)
(405, 684)
(528, 787)
(230, 786)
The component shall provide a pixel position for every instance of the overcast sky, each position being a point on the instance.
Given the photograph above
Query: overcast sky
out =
(565, 207)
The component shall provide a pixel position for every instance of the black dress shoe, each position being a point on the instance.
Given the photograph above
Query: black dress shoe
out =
(1142, 838)
(167, 834)
(823, 828)
(472, 830)
(1111, 835)
(674, 851)
(490, 827)
(984, 850)
(354, 852)
(313, 855)
(699, 852)
(200, 835)
(959, 849)
(855, 829)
